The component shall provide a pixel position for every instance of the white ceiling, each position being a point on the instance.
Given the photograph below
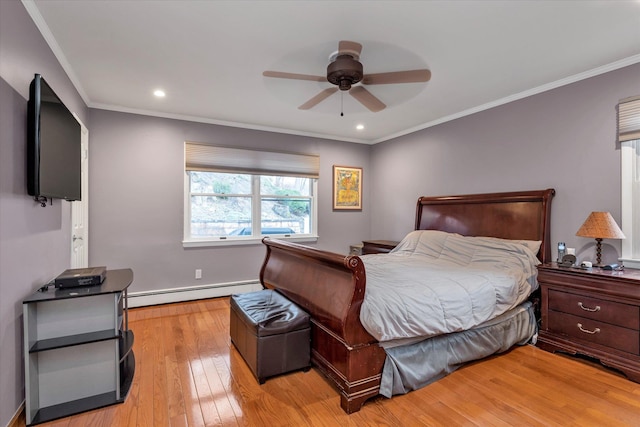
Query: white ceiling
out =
(209, 56)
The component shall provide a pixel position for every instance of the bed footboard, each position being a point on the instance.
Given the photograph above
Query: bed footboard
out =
(330, 287)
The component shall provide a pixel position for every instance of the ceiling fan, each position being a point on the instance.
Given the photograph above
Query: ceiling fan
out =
(345, 70)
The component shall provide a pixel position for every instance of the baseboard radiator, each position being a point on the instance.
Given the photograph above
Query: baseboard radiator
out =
(190, 293)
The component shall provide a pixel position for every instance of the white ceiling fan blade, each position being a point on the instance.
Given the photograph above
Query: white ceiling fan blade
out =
(318, 98)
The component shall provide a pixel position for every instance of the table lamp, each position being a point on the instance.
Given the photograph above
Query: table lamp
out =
(600, 225)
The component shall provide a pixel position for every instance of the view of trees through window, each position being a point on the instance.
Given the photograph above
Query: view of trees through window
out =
(224, 204)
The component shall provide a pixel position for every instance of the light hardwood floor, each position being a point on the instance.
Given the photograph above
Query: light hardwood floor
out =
(188, 374)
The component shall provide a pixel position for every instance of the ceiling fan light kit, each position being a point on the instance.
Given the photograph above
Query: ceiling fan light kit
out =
(345, 70)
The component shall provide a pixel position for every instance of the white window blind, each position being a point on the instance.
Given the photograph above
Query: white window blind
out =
(629, 119)
(212, 158)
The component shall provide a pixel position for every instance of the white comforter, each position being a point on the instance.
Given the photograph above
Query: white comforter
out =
(434, 283)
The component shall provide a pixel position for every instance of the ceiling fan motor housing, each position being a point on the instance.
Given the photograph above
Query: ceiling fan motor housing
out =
(344, 72)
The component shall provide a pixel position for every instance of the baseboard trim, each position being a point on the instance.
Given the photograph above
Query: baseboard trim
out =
(17, 417)
(190, 293)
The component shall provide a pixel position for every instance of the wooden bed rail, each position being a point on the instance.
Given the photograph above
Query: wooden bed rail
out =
(332, 289)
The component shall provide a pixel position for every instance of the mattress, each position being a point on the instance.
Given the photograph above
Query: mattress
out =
(436, 283)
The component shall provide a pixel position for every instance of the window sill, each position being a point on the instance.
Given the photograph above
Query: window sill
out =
(630, 263)
(201, 243)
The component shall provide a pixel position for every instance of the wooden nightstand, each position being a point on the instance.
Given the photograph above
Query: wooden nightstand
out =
(595, 313)
(378, 246)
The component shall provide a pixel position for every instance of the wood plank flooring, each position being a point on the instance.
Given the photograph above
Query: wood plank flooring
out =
(188, 374)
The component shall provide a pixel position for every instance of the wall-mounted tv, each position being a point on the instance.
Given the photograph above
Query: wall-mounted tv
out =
(53, 146)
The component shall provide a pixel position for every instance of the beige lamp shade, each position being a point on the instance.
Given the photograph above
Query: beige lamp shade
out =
(600, 225)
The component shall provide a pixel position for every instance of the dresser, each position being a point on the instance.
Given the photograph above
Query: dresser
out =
(592, 312)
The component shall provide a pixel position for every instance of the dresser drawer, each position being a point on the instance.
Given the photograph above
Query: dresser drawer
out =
(615, 313)
(594, 331)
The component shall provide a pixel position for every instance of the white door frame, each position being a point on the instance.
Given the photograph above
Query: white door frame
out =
(80, 209)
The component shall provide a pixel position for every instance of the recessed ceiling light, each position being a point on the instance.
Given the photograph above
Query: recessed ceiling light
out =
(159, 93)
(360, 127)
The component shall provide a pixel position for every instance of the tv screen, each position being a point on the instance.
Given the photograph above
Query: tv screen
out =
(53, 145)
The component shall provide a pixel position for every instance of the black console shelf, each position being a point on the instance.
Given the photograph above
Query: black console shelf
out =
(78, 348)
(54, 343)
(74, 407)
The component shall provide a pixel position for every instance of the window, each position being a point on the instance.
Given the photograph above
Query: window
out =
(225, 204)
(235, 196)
(629, 138)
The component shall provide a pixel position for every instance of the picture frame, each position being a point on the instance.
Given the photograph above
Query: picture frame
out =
(347, 188)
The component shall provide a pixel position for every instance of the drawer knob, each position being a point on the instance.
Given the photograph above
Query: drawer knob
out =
(586, 331)
(597, 308)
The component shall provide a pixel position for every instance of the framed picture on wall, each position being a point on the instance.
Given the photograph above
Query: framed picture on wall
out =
(347, 188)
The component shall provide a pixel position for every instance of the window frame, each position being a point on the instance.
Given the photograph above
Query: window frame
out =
(630, 201)
(189, 241)
(628, 124)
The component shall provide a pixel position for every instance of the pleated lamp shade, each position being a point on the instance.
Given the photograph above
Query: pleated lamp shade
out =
(600, 225)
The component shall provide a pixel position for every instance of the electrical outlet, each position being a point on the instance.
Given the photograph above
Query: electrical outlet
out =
(198, 273)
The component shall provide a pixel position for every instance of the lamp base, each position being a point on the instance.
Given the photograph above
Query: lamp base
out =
(598, 252)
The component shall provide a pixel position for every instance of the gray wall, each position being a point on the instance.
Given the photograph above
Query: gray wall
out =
(562, 139)
(34, 241)
(137, 197)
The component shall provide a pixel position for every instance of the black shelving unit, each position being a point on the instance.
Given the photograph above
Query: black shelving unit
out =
(78, 348)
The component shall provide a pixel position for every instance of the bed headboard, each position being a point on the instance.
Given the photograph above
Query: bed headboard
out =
(515, 215)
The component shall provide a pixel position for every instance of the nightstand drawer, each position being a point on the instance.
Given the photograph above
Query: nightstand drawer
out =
(619, 314)
(623, 339)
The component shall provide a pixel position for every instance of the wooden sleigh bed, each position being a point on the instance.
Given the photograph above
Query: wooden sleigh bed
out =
(331, 287)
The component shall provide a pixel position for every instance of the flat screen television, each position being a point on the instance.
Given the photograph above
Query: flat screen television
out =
(53, 146)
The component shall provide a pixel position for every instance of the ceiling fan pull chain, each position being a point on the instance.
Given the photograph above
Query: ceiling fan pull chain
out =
(341, 104)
